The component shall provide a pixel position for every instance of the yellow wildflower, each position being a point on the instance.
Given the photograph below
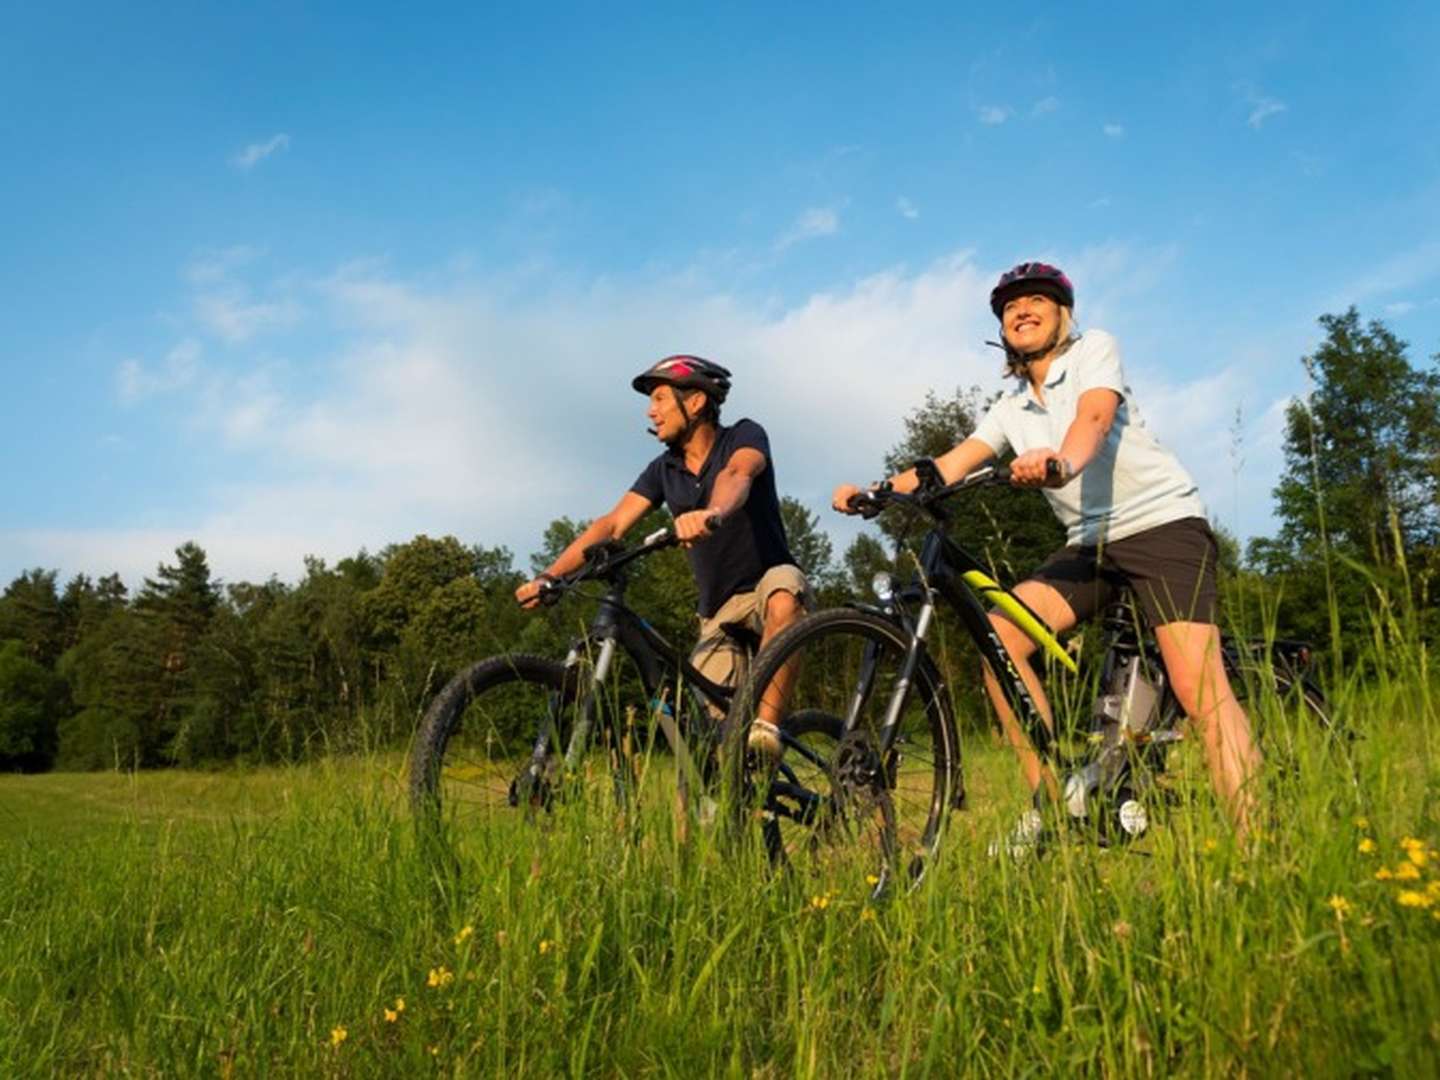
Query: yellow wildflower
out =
(1434, 888)
(338, 1035)
(440, 977)
(1412, 898)
(1407, 872)
(1362, 823)
(1418, 855)
(1339, 905)
(1410, 843)
(868, 915)
(1211, 844)
(399, 1005)
(465, 932)
(1383, 874)
(546, 946)
(1367, 846)
(391, 1016)
(819, 903)
(872, 880)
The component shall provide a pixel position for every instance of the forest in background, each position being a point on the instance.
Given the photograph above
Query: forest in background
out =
(188, 670)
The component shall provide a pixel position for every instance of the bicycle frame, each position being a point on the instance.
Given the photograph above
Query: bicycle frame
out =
(951, 573)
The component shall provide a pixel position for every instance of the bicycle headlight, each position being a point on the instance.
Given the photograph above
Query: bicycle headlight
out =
(883, 585)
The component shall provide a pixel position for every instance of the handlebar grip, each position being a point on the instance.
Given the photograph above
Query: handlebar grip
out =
(714, 521)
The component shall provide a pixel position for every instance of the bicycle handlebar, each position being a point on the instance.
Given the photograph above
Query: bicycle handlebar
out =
(607, 557)
(869, 504)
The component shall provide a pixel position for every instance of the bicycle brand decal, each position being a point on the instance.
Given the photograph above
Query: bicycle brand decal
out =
(1011, 606)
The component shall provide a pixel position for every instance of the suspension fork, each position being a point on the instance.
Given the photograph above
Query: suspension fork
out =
(865, 683)
(580, 736)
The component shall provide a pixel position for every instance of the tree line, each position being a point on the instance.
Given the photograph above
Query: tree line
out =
(188, 670)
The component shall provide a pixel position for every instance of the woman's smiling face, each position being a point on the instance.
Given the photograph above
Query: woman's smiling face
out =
(1031, 322)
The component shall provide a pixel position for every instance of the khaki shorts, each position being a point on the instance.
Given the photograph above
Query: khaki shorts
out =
(718, 656)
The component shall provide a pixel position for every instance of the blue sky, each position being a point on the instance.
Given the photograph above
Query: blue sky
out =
(297, 279)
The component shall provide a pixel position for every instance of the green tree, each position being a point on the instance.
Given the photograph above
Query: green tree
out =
(1363, 452)
(32, 699)
(813, 551)
(30, 613)
(1361, 484)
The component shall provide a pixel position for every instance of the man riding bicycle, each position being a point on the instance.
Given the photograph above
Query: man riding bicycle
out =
(719, 483)
(1133, 517)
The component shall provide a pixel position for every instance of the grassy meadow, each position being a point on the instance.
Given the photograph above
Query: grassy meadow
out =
(283, 922)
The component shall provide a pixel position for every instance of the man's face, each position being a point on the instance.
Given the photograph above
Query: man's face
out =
(664, 411)
(1030, 322)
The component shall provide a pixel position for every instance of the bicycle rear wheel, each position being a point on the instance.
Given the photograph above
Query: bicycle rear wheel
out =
(875, 805)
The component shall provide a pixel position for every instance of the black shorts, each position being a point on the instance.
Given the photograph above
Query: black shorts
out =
(1170, 569)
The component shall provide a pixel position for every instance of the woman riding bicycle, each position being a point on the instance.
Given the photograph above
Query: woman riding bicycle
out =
(1132, 514)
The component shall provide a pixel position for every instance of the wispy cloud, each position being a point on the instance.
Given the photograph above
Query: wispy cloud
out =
(210, 267)
(135, 382)
(907, 208)
(1114, 131)
(1262, 107)
(993, 114)
(815, 222)
(1045, 105)
(379, 435)
(255, 153)
(229, 315)
(1401, 272)
(1400, 307)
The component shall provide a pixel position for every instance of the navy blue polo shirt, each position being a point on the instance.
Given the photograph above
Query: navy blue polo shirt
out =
(750, 542)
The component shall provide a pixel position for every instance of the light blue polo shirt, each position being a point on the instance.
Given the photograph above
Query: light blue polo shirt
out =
(1132, 484)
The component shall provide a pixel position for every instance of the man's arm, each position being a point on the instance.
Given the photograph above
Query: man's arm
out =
(608, 526)
(732, 488)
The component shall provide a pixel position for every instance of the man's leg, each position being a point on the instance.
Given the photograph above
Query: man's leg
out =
(1196, 670)
(781, 601)
(1056, 612)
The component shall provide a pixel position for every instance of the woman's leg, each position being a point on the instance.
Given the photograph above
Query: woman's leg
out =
(1053, 608)
(1196, 670)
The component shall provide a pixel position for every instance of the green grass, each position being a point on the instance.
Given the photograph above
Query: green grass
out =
(237, 923)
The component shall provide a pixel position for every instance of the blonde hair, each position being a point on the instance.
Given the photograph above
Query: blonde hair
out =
(1065, 336)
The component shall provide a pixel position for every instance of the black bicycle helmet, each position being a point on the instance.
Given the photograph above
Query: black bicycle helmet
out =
(1029, 278)
(689, 372)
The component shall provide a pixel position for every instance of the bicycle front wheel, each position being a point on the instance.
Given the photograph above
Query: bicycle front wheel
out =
(871, 802)
(494, 739)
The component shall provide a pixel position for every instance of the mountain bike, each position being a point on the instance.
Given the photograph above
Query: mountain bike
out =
(518, 733)
(897, 772)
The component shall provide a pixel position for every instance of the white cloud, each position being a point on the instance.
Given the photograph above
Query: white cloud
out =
(907, 208)
(1261, 106)
(1114, 131)
(1263, 110)
(211, 267)
(1045, 105)
(136, 382)
(470, 408)
(1400, 307)
(255, 153)
(994, 114)
(813, 223)
(229, 315)
(1400, 272)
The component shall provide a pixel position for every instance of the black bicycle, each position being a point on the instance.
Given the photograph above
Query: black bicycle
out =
(897, 771)
(518, 732)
